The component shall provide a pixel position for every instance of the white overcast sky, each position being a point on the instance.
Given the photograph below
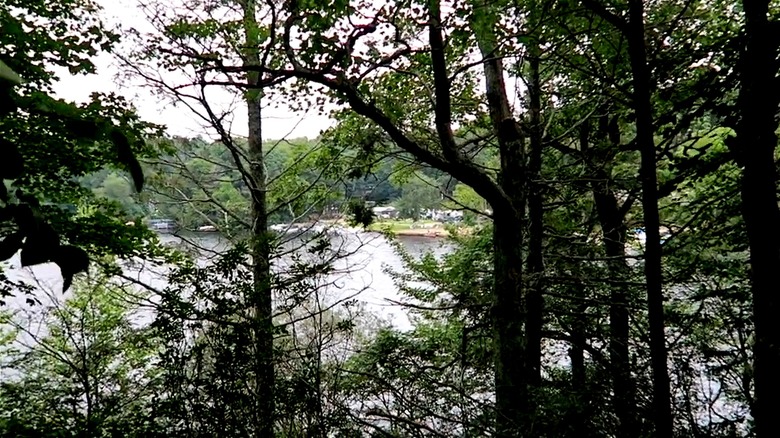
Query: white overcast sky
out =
(277, 122)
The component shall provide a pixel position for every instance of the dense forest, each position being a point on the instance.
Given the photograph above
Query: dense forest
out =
(615, 163)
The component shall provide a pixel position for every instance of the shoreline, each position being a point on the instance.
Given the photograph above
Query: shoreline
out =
(422, 232)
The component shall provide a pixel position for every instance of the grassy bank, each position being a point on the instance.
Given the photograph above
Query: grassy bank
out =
(409, 228)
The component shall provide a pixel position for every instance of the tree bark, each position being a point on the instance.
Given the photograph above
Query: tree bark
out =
(613, 230)
(579, 415)
(513, 409)
(635, 35)
(535, 298)
(260, 299)
(514, 412)
(755, 145)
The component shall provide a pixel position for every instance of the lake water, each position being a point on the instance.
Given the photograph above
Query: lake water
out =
(361, 271)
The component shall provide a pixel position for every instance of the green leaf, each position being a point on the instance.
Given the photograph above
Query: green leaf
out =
(40, 246)
(11, 161)
(26, 219)
(127, 157)
(8, 75)
(71, 261)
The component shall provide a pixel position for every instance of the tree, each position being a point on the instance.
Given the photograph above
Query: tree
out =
(82, 367)
(243, 43)
(418, 194)
(118, 189)
(633, 28)
(208, 178)
(474, 206)
(667, 123)
(260, 299)
(430, 381)
(48, 141)
(755, 146)
(622, 151)
(506, 194)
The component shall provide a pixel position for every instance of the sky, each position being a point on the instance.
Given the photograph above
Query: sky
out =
(278, 121)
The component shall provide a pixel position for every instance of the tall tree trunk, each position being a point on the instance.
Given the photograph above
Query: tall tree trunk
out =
(756, 142)
(513, 409)
(579, 415)
(514, 412)
(577, 349)
(260, 299)
(535, 299)
(614, 233)
(662, 410)
(613, 230)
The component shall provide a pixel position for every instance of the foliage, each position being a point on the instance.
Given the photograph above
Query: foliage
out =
(82, 367)
(418, 194)
(464, 196)
(207, 356)
(552, 119)
(439, 373)
(51, 143)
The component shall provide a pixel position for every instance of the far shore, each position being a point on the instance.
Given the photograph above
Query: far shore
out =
(416, 229)
(423, 232)
(398, 227)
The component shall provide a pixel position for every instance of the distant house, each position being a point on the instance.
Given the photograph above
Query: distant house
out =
(385, 212)
(447, 215)
(163, 225)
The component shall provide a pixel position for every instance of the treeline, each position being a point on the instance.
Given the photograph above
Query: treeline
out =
(183, 180)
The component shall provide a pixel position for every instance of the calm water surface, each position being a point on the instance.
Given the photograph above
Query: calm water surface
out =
(361, 271)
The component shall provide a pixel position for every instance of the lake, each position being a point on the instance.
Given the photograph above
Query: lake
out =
(361, 272)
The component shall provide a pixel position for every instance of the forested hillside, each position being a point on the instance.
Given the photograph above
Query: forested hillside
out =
(604, 174)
